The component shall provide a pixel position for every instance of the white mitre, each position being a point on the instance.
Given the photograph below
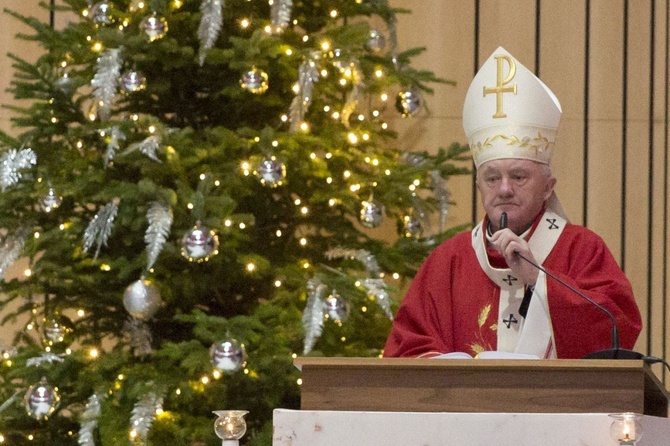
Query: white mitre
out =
(510, 113)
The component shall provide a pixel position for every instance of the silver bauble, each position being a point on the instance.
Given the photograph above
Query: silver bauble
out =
(154, 27)
(337, 308)
(142, 299)
(338, 59)
(271, 172)
(408, 102)
(57, 333)
(255, 81)
(100, 13)
(64, 83)
(371, 213)
(228, 355)
(132, 81)
(41, 400)
(199, 244)
(51, 200)
(410, 226)
(376, 42)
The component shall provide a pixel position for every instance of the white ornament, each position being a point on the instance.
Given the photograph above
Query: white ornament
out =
(57, 333)
(337, 308)
(132, 81)
(50, 201)
(199, 244)
(376, 42)
(255, 81)
(408, 103)
(142, 299)
(371, 213)
(41, 400)
(271, 172)
(228, 355)
(154, 27)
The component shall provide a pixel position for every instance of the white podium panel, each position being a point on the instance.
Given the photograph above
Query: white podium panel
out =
(351, 428)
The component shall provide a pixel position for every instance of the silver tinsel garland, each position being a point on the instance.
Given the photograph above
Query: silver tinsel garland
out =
(365, 257)
(113, 143)
(280, 14)
(144, 414)
(374, 285)
(312, 316)
(308, 74)
(89, 421)
(441, 193)
(148, 146)
(100, 228)
(211, 23)
(105, 82)
(355, 94)
(45, 357)
(377, 289)
(159, 217)
(11, 249)
(11, 162)
(11, 400)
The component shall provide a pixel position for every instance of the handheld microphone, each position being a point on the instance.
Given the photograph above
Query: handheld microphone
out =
(612, 353)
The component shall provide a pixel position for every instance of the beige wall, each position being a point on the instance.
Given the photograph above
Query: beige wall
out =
(607, 62)
(609, 68)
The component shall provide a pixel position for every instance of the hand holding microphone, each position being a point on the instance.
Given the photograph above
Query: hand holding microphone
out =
(507, 245)
(511, 246)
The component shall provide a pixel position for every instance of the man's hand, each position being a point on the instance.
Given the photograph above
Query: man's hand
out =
(509, 244)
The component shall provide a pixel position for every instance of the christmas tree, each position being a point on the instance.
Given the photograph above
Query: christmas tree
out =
(200, 189)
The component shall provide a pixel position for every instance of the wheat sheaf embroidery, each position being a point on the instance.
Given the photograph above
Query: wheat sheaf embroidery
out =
(538, 144)
(481, 345)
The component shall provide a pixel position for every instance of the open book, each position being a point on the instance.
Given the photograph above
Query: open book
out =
(491, 354)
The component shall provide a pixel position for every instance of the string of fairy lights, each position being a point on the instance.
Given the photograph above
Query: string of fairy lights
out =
(228, 356)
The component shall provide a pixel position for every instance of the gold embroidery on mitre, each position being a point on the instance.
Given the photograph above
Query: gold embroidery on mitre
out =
(538, 145)
(501, 83)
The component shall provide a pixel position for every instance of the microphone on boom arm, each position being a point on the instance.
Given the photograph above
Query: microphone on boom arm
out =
(614, 352)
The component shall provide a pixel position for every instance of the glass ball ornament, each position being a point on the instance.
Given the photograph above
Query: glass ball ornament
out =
(199, 244)
(154, 27)
(132, 81)
(376, 42)
(142, 299)
(271, 172)
(228, 355)
(101, 13)
(408, 103)
(50, 201)
(371, 214)
(410, 226)
(65, 84)
(337, 308)
(626, 429)
(41, 400)
(255, 81)
(57, 333)
(338, 59)
(230, 425)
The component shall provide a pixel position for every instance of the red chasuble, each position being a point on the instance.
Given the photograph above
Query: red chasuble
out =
(452, 305)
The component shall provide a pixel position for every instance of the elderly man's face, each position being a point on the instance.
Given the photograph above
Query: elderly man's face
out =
(518, 187)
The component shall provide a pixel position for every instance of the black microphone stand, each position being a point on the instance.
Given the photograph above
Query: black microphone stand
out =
(612, 353)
